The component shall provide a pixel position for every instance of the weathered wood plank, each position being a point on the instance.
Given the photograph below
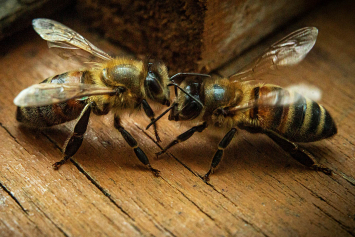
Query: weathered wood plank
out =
(257, 190)
(190, 35)
(16, 222)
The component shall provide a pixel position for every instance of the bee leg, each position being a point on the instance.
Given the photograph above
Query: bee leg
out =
(183, 137)
(301, 155)
(74, 141)
(149, 112)
(133, 143)
(219, 153)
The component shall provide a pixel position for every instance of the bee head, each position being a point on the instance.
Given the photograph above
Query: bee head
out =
(155, 83)
(188, 104)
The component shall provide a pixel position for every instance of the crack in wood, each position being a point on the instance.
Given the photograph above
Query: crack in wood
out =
(348, 190)
(184, 165)
(8, 132)
(54, 143)
(3, 186)
(218, 192)
(104, 191)
(198, 207)
(348, 229)
(251, 144)
(96, 184)
(347, 178)
(15, 139)
(169, 154)
(201, 177)
(154, 222)
(14, 198)
(150, 137)
(320, 198)
(209, 216)
(60, 229)
(301, 198)
(257, 229)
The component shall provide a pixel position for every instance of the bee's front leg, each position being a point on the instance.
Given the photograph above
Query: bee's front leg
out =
(219, 153)
(149, 112)
(133, 143)
(74, 141)
(183, 137)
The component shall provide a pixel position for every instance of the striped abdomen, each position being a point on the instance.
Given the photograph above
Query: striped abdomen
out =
(49, 115)
(291, 115)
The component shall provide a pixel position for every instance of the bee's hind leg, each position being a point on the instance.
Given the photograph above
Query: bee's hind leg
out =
(219, 153)
(133, 143)
(301, 155)
(73, 143)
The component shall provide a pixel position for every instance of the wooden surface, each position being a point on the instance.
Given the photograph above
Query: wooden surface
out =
(190, 35)
(232, 26)
(258, 190)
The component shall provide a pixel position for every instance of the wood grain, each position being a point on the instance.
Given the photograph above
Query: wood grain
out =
(190, 35)
(258, 190)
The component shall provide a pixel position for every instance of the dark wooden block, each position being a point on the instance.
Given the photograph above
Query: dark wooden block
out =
(16, 15)
(190, 35)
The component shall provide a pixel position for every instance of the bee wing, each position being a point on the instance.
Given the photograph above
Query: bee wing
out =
(309, 91)
(51, 93)
(273, 98)
(67, 42)
(288, 51)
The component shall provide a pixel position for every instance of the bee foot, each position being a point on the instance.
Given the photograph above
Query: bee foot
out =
(323, 169)
(58, 164)
(327, 171)
(155, 171)
(159, 154)
(206, 177)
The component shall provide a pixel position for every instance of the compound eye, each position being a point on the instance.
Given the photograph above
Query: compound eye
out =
(153, 84)
(190, 111)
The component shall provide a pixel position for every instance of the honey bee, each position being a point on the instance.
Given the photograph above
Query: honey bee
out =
(112, 84)
(241, 102)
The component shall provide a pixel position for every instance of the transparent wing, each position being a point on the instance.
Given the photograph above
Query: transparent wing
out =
(288, 51)
(66, 42)
(51, 93)
(309, 91)
(274, 98)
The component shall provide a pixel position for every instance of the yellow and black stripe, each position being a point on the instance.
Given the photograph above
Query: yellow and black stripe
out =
(302, 120)
(49, 115)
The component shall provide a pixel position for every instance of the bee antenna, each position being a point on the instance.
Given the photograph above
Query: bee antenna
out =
(186, 74)
(161, 115)
(187, 93)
